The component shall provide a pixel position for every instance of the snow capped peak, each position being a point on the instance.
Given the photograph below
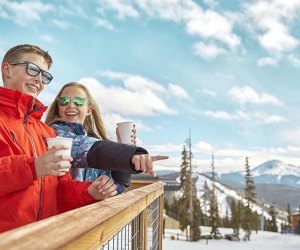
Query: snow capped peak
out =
(276, 167)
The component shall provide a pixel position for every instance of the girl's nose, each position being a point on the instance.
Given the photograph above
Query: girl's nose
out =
(71, 103)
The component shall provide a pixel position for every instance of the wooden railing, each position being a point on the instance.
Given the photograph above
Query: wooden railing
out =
(92, 226)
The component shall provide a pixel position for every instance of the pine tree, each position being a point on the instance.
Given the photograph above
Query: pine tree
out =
(289, 213)
(235, 217)
(255, 224)
(249, 219)
(197, 219)
(250, 195)
(188, 205)
(214, 212)
(226, 222)
(183, 202)
(184, 168)
(273, 213)
(205, 205)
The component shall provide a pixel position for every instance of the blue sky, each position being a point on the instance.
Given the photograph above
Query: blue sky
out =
(226, 70)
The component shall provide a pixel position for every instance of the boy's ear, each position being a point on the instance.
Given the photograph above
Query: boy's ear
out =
(5, 70)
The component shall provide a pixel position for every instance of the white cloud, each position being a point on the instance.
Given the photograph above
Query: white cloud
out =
(202, 146)
(61, 24)
(291, 135)
(227, 158)
(255, 117)
(3, 12)
(134, 82)
(211, 3)
(267, 61)
(273, 19)
(208, 51)
(48, 39)
(26, 12)
(166, 148)
(295, 61)
(123, 8)
(144, 84)
(127, 100)
(278, 40)
(71, 9)
(210, 24)
(103, 23)
(177, 91)
(219, 115)
(207, 25)
(246, 94)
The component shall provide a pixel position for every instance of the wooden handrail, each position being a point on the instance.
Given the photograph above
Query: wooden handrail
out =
(87, 227)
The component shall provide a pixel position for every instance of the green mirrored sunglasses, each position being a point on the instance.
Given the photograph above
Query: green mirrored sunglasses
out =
(78, 101)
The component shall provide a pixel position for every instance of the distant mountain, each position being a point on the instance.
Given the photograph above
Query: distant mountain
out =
(277, 168)
(271, 172)
(163, 172)
(275, 181)
(225, 195)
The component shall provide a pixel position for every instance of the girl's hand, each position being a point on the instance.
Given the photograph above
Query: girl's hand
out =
(144, 162)
(133, 135)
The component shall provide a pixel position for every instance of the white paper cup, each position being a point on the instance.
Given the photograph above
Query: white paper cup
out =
(61, 141)
(125, 132)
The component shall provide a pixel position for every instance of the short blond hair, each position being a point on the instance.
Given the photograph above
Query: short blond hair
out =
(15, 53)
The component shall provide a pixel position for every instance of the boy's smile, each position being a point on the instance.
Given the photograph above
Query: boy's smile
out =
(18, 78)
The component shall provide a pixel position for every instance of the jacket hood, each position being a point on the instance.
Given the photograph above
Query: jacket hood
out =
(20, 104)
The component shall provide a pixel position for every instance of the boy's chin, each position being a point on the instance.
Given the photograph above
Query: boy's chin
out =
(32, 94)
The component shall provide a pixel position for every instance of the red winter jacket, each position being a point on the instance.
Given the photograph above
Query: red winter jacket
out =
(24, 198)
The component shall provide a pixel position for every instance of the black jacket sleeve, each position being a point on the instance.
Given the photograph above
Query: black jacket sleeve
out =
(122, 180)
(113, 156)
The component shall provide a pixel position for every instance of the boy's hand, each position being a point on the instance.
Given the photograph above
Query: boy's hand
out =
(102, 188)
(144, 162)
(51, 164)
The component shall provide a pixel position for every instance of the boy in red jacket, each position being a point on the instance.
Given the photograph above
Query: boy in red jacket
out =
(32, 187)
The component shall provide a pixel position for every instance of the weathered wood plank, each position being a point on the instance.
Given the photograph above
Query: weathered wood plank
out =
(91, 225)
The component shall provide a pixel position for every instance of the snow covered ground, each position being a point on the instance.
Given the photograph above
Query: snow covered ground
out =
(261, 241)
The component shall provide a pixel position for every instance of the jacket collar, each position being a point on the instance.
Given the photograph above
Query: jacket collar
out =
(73, 127)
(20, 104)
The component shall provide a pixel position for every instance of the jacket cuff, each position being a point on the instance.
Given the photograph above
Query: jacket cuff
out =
(120, 188)
(85, 195)
(114, 156)
(139, 151)
(31, 164)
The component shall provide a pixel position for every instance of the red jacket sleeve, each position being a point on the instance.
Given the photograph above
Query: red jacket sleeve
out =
(72, 194)
(16, 172)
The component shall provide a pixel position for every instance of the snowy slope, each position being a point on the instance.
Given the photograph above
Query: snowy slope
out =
(222, 192)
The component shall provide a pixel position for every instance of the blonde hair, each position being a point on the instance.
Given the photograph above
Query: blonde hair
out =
(93, 123)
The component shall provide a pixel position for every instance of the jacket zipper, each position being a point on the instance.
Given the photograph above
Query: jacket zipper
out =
(16, 142)
(35, 155)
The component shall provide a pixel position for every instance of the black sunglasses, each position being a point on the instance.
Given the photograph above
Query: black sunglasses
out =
(78, 101)
(34, 70)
